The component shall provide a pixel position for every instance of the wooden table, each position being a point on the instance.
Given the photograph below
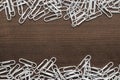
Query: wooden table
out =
(39, 40)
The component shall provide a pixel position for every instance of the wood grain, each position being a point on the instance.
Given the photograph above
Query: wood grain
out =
(39, 40)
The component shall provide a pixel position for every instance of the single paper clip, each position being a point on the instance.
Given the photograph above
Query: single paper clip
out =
(41, 66)
(7, 63)
(24, 15)
(50, 63)
(107, 67)
(27, 62)
(83, 63)
(52, 17)
(4, 70)
(40, 14)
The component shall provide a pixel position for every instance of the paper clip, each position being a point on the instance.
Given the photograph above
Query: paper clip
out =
(114, 77)
(94, 70)
(111, 72)
(17, 73)
(47, 73)
(24, 16)
(1, 6)
(7, 63)
(34, 12)
(83, 63)
(77, 17)
(67, 2)
(4, 70)
(94, 15)
(11, 7)
(92, 6)
(114, 9)
(116, 2)
(3, 77)
(107, 12)
(23, 73)
(29, 2)
(107, 67)
(19, 4)
(104, 9)
(33, 7)
(52, 17)
(67, 69)
(41, 66)
(40, 14)
(27, 62)
(7, 12)
(50, 63)
(72, 76)
(13, 71)
(58, 73)
(51, 6)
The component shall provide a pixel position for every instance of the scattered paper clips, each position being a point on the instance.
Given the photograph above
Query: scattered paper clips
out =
(48, 70)
(78, 11)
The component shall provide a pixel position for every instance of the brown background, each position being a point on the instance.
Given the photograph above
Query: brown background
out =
(39, 40)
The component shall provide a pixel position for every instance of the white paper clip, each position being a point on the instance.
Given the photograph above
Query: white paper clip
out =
(27, 63)
(67, 69)
(103, 7)
(24, 16)
(41, 66)
(13, 71)
(111, 72)
(50, 63)
(7, 63)
(19, 4)
(9, 9)
(3, 77)
(34, 6)
(83, 63)
(1, 6)
(40, 14)
(4, 70)
(47, 73)
(72, 76)
(107, 67)
(52, 17)
(92, 6)
(94, 15)
(34, 12)
(58, 74)
(7, 12)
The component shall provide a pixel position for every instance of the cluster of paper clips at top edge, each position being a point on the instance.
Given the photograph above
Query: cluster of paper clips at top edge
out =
(78, 11)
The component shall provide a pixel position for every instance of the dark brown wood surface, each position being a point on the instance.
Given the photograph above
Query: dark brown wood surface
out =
(39, 40)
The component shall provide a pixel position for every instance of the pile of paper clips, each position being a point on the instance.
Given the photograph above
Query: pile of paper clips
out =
(78, 11)
(48, 70)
